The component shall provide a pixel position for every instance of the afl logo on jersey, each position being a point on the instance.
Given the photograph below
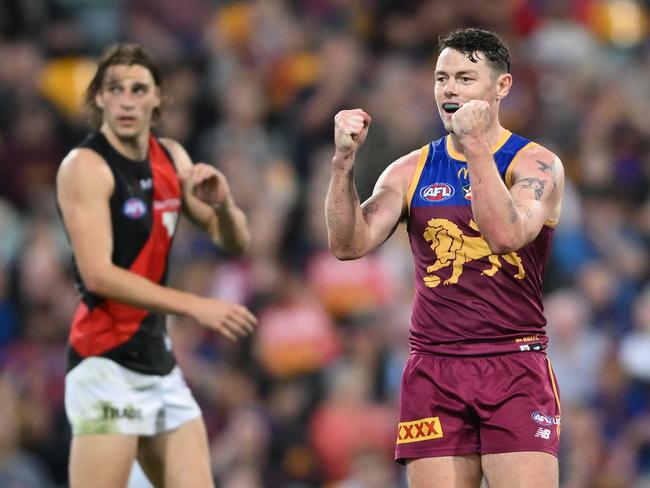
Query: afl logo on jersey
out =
(543, 419)
(134, 208)
(437, 192)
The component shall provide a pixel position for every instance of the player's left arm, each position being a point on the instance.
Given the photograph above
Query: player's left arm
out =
(511, 214)
(208, 201)
(536, 190)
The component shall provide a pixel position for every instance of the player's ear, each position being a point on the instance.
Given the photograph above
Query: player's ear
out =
(504, 83)
(99, 101)
(158, 97)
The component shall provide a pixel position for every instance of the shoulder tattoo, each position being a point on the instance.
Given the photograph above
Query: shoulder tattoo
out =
(535, 184)
(548, 168)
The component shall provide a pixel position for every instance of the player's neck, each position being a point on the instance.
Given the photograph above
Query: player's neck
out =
(494, 137)
(134, 148)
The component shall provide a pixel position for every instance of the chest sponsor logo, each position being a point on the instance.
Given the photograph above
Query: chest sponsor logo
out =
(419, 430)
(134, 208)
(437, 192)
(453, 248)
(467, 192)
(168, 204)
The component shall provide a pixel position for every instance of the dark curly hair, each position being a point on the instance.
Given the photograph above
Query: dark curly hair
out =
(471, 41)
(121, 53)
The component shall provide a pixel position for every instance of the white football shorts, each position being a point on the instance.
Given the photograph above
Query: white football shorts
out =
(102, 397)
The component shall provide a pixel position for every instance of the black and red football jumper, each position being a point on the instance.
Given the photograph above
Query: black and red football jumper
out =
(144, 213)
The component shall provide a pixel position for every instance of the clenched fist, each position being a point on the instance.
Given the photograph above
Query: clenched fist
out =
(472, 119)
(350, 130)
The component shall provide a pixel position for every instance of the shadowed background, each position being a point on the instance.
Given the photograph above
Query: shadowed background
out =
(311, 399)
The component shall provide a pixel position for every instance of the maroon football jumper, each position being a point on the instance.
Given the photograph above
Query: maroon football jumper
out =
(477, 379)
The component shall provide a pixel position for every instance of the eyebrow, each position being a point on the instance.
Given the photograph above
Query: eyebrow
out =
(458, 73)
(135, 85)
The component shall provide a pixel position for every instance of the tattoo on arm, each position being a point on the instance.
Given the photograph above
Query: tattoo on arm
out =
(535, 184)
(548, 168)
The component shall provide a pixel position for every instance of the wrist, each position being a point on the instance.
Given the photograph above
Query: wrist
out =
(474, 144)
(189, 304)
(343, 160)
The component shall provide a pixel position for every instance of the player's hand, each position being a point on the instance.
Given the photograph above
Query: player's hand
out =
(232, 320)
(207, 183)
(472, 119)
(350, 130)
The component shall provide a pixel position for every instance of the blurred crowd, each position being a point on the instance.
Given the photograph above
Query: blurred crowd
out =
(252, 87)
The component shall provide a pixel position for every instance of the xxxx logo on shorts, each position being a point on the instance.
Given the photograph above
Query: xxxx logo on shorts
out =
(419, 430)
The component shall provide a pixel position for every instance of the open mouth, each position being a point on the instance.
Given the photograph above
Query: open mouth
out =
(450, 108)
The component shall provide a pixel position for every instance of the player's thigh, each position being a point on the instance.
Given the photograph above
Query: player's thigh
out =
(101, 460)
(521, 470)
(102, 397)
(435, 418)
(179, 458)
(445, 472)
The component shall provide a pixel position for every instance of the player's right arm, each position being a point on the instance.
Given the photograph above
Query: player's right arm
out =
(353, 229)
(84, 188)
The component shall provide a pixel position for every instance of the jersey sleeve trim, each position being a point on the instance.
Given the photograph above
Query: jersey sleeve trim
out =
(461, 157)
(424, 155)
(165, 149)
(511, 166)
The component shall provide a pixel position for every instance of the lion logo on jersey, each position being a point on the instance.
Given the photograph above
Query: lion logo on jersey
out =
(454, 248)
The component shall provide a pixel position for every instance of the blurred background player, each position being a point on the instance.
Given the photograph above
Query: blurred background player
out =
(120, 193)
(478, 395)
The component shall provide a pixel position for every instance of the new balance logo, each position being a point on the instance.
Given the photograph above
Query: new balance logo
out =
(419, 430)
(543, 433)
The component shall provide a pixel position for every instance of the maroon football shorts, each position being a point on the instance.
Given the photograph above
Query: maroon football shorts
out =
(453, 406)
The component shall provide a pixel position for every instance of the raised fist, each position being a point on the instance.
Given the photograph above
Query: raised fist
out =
(472, 119)
(350, 129)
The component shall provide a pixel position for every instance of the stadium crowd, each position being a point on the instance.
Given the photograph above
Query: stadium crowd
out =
(252, 86)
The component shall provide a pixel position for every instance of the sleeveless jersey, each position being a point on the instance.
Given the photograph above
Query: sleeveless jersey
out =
(469, 301)
(144, 211)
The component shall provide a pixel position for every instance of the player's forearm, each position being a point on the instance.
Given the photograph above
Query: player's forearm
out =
(346, 227)
(232, 232)
(226, 224)
(493, 207)
(127, 287)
